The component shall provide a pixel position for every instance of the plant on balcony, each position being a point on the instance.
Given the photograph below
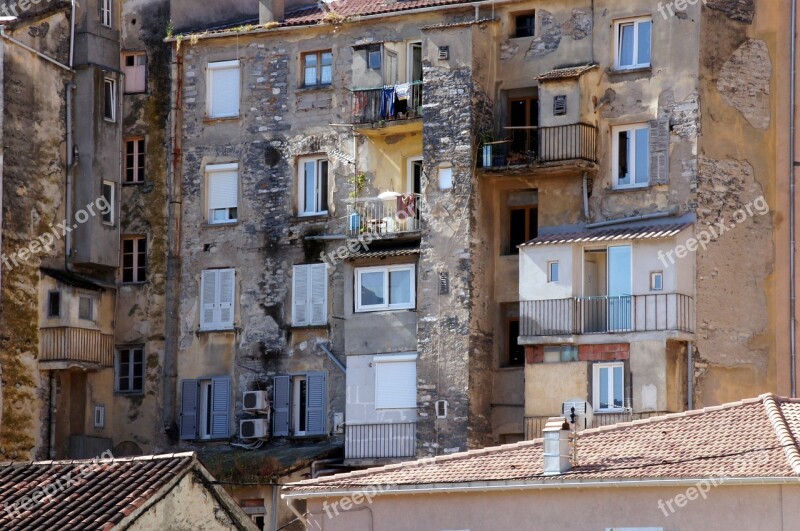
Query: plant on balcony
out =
(359, 182)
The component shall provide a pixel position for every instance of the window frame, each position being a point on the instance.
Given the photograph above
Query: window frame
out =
(387, 305)
(653, 276)
(50, 294)
(91, 317)
(135, 252)
(630, 128)
(610, 366)
(301, 186)
(211, 169)
(139, 156)
(108, 218)
(510, 344)
(132, 353)
(217, 305)
(317, 68)
(532, 28)
(386, 359)
(512, 248)
(112, 94)
(308, 270)
(635, 21)
(106, 13)
(128, 69)
(550, 275)
(376, 48)
(222, 65)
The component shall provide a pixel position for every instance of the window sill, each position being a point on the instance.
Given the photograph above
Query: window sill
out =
(311, 327)
(630, 188)
(314, 88)
(137, 93)
(207, 225)
(216, 331)
(384, 310)
(129, 394)
(609, 411)
(109, 120)
(615, 71)
(134, 183)
(509, 368)
(221, 119)
(134, 284)
(319, 216)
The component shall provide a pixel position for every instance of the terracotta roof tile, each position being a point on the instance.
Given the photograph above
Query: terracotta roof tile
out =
(567, 72)
(354, 8)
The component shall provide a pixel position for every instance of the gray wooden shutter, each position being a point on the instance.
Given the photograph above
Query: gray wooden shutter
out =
(300, 288)
(659, 150)
(281, 395)
(188, 420)
(220, 407)
(316, 394)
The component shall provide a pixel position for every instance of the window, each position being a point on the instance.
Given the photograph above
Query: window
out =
(445, 178)
(523, 226)
(395, 381)
(523, 117)
(110, 99)
(525, 25)
(86, 308)
(105, 12)
(223, 89)
(560, 105)
(313, 174)
(374, 57)
(205, 409)
(515, 351)
(631, 155)
(299, 404)
(130, 370)
(134, 160)
(633, 41)
(108, 189)
(560, 354)
(552, 272)
(310, 295)
(385, 288)
(656, 281)
(609, 386)
(217, 292)
(134, 66)
(134, 259)
(99, 416)
(222, 193)
(54, 304)
(317, 68)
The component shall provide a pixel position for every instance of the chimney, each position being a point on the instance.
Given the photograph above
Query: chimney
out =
(270, 11)
(556, 447)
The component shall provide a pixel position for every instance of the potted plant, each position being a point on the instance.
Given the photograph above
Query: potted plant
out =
(486, 149)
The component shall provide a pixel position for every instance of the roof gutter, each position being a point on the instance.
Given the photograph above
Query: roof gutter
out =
(464, 488)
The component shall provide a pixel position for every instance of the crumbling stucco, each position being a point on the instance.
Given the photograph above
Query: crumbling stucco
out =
(744, 82)
(741, 10)
(578, 27)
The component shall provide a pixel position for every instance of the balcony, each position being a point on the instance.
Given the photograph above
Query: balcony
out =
(389, 215)
(391, 103)
(534, 426)
(69, 345)
(549, 146)
(607, 315)
(380, 441)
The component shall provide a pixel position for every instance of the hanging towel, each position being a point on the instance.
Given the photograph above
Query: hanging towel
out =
(406, 207)
(360, 102)
(403, 91)
(387, 102)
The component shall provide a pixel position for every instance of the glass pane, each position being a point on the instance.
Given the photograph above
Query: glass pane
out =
(645, 29)
(618, 386)
(554, 272)
(372, 288)
(311, 60)
(309, 168)
(400, 287)
(311, 76)
(623, 150)
(327, 58)
(603, 388)
(626, 44)
(642, 155)
(327, 75)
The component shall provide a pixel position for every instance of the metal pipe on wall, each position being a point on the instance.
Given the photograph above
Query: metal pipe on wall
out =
(792, 235)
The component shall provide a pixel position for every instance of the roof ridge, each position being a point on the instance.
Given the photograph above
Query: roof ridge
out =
(782, 430)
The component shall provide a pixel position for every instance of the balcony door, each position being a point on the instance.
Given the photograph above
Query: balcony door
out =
(620, 288)
(523, 118)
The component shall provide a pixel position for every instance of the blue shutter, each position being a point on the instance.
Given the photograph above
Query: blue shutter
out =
(316, 394)
(220, 407)
(281, 394)
(188, 420)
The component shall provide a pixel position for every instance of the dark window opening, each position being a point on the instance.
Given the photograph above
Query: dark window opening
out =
(515, 351)
(525, 25)
(54, 304)
(523, 226)
(523, 118)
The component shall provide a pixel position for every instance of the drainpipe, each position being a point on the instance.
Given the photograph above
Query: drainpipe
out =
(51, 428)
(792, 244)
(72, 36)
(586, 196)
(32, 50)
(72, 162)
(690, 375)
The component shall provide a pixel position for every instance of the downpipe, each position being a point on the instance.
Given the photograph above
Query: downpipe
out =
(792, 234)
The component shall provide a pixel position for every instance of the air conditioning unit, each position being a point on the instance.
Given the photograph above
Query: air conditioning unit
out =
(582, 411)
(254, 428)
(255, 401)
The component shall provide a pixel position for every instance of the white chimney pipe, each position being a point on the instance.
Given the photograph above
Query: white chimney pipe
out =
(556, 447)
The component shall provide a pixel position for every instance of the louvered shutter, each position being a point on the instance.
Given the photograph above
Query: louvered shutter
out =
(188, 420)
(208, 299)
(319, 294)
(223, 189)
(300, 290)
(396, 382)
(659, 150)
(224, 90)
(281, 393)
(220, 407)
(227, 293)
(316, 394)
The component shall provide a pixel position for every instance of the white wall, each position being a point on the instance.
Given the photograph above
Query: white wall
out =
(361, 396)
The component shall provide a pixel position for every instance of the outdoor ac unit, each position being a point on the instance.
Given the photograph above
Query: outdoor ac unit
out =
(254, 428)
(584, 414)
(255, 401)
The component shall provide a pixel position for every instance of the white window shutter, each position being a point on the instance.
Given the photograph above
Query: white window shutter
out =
(227, 294)
(208, 299)
(659, 150)
(224, 88)
(300, 295)
(396, 384)
(319, 294)
(223, 189)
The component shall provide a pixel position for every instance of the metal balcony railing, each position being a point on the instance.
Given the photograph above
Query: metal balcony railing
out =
(380, 441)
(384, 216)
(534, 426)
(387, 103)
(608, 315)
(76, 344)
(527, 145)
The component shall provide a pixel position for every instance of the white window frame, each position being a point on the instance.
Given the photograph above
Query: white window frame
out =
(112, 93)
(596, 386)
(139, 151)
(131, 363)
(106, 12)
(410, 162)
(406, 402)
(320, 209)
(550, 276)
(656, 285)
(617, 42)
(308, 270)
(318, 67)
(99, 416)
(387, 304)
(136, 265)
(218, 324)
(111, 199)
(131, 71)
(222, 65)
(615, 131)
(221, 168)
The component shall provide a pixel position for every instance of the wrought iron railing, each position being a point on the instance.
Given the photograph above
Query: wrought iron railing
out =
(380, 441)
(387, 103)
(608, 315)
(76, 344)
(527, 145)
(384, 216)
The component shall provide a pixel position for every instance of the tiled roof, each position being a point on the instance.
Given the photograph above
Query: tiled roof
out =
(755, 438)
(567, 72)
(72, 279)
(85, 494)
(355, 8)
(647, 232)
(385, 253)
